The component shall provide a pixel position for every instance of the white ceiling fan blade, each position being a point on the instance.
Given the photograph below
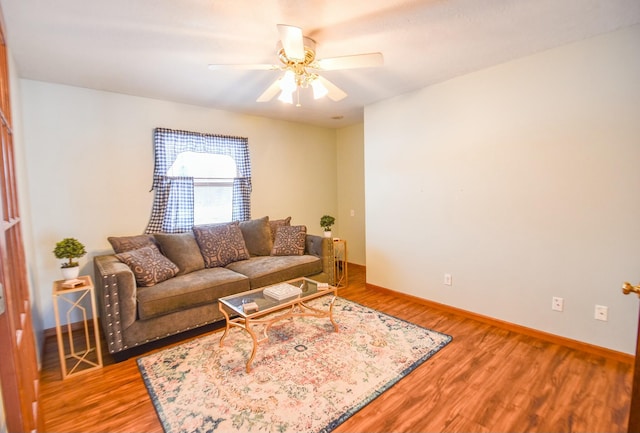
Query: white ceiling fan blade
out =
(260, 67)
(292, 41)
(335, 93)
(271, 91)
(350, 62)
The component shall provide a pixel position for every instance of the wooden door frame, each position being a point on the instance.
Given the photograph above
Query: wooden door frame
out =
(18, 362)
(634, 405)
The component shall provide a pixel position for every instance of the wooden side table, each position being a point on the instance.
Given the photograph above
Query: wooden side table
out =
(78, 300)
(340, 262)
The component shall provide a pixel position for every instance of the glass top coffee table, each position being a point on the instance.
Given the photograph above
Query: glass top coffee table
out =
(255, 307)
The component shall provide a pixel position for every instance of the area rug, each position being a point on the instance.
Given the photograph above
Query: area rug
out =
(305, 378)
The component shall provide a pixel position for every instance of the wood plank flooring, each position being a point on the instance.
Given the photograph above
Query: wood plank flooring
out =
(488, 379)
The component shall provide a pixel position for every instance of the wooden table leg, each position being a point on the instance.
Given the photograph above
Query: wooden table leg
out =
(335, 325)
(226, 322)
(247, 328)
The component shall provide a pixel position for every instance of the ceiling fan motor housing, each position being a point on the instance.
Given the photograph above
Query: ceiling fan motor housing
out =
(309, 53)
(302, 77)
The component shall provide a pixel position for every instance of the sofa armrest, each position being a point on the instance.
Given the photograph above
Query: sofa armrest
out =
(322, 247)
(116, 297)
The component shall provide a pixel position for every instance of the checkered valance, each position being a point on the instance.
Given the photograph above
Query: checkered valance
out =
(173, 201)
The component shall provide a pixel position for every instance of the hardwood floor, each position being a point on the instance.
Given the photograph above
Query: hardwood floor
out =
(488, 379)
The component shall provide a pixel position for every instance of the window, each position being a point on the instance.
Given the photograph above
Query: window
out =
(212, 184)
(198, 179)
(212, 201)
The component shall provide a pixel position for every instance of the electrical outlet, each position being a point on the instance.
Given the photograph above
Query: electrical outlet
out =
(557, 304)
(602, 313)
(353, 212)
(447, 279)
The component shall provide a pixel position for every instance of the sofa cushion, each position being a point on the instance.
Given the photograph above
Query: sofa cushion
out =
(148, 265)
(182, 249)
(122, 244)
(220, 244)
(189, 290)
(257, 236)
(290, 241)
(276, 224)
(266, 270)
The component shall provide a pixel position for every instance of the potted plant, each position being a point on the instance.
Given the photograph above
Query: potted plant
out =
(326, 222)
(69, 248)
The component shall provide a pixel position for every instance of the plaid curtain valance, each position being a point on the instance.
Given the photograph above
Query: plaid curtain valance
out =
(172, 210)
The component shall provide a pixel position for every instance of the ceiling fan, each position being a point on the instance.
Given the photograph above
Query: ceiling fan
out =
(297, 55)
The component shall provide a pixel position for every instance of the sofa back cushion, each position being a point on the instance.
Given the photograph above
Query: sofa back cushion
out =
(220, 244)
(182, 249)
(257, 236)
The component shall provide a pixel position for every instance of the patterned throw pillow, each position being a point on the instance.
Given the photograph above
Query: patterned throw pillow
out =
(290, 241)
(220, 244)
(276, 224)
(148, 265)
(122, 244)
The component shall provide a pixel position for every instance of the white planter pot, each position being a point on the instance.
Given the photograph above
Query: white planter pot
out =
(70, 273)
(327, 234)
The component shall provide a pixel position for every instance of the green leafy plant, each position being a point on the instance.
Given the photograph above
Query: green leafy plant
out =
(326, 222)
(69, 248)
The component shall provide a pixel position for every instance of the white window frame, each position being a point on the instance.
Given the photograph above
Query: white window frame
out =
(200, 183)
(224, 164)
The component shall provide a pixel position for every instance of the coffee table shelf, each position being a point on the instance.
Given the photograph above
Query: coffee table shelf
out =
(268, 308)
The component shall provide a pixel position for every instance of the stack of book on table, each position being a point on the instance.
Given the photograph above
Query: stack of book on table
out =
(282, 291)
(72, 284)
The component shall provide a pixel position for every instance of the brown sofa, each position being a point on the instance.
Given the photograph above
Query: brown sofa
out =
(155, 286)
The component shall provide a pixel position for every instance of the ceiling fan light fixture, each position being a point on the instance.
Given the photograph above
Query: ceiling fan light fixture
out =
(288, 82)
(297, 55)
(286, 96)
(319, 89)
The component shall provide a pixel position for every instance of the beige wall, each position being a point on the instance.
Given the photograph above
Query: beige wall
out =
(350, 164)
(523, 182)
(89, 160)
(519, 180)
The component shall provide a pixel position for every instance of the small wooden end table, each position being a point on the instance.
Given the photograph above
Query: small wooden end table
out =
(79, 300)
(340, 261)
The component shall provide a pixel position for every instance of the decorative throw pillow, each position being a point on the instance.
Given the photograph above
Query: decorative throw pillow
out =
(148, 265)
(122, 244)
(257, 236)
(276, 224)
(220, 244)
(290, 241)
(182, 249)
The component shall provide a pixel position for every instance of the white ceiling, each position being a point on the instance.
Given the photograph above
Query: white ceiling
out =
(161, 48)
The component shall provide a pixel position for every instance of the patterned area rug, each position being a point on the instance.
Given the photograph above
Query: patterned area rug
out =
(306, 378)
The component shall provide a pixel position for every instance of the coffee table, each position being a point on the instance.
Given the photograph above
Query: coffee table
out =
(268, 308)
